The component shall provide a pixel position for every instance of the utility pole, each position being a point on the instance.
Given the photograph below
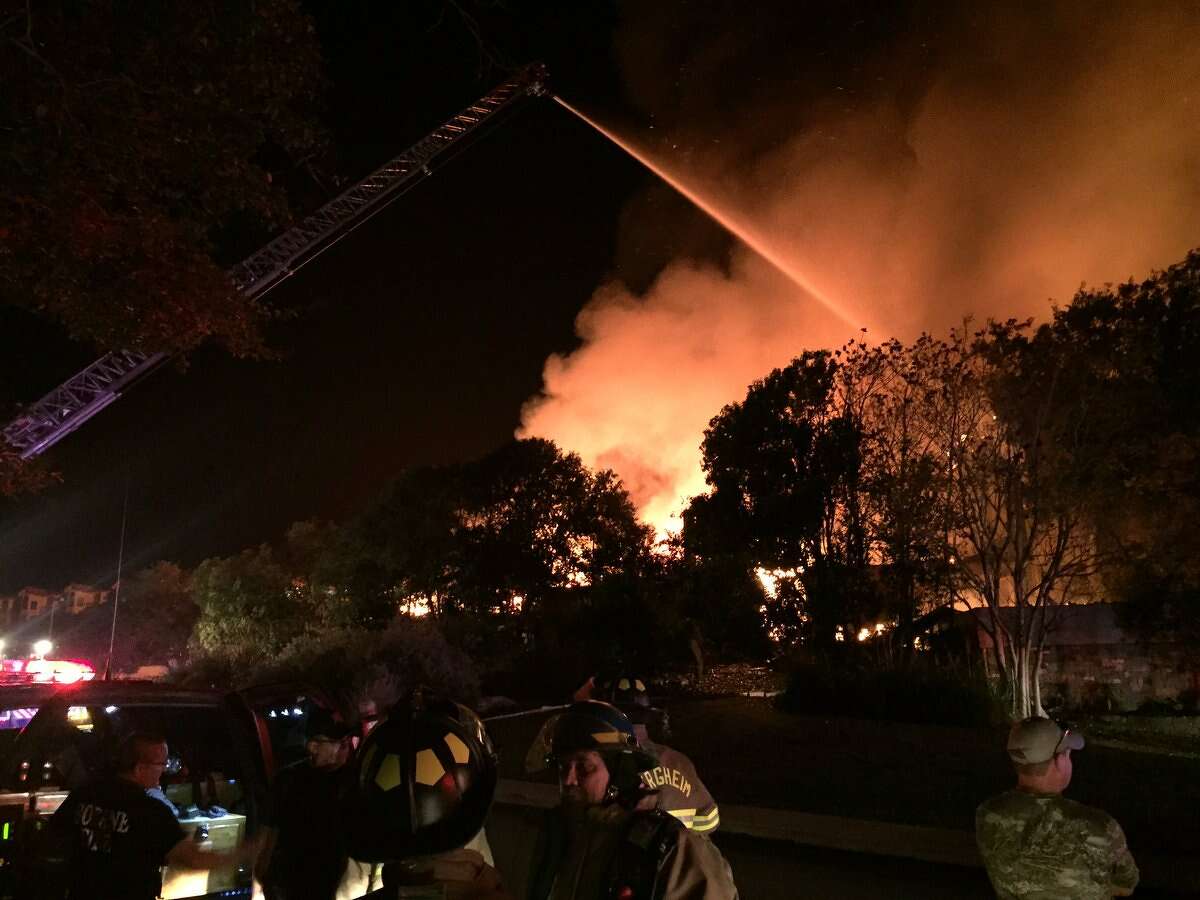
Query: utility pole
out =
(112, 634)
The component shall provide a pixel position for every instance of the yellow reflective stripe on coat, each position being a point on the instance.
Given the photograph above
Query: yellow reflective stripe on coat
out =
(686, 816)
(707, 821)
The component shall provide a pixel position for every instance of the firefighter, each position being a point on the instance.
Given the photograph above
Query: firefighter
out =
(298, 860)
(676, 787)
(630, 692)
(114, 838)
(424, 782)
(598, 843)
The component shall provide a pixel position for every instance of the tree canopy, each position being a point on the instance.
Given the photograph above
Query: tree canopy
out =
(1133, 349)
(505, 533)
(785, 470)
(250, 605)
(142, 140)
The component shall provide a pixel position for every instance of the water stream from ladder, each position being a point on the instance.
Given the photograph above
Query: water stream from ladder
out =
(738, 229)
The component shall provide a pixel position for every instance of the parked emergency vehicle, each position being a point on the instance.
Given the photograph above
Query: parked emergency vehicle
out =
(224, 748)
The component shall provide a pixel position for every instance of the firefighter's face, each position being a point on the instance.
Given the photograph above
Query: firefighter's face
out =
(583, 777)
(327, 753)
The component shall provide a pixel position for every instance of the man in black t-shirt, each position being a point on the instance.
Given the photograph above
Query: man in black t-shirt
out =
(303, 855)
(116, 837)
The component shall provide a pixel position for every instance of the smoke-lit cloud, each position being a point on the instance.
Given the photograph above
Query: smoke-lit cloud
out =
(915, 170)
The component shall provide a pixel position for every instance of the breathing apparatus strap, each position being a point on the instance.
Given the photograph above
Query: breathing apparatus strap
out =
(651, 837)
(548, 854)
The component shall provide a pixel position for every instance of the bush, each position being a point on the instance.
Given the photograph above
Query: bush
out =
(919, 693)
(1189, 702)
(355, 666)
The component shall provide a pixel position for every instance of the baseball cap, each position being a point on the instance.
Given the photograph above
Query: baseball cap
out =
(1038, 739)
(321, 723)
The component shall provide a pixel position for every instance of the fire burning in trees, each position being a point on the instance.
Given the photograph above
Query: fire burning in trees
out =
(1046, 148)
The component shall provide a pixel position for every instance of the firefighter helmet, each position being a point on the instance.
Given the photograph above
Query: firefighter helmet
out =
(594, 725)
(628, 691)
(425, 778)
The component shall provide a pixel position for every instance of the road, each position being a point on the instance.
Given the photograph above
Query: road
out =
(772, 870)
(914, 776)
(779, 870)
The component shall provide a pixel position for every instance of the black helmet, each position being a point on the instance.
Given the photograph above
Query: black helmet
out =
(592, 725)
(628, 691)
(598, 726)
(425, 778)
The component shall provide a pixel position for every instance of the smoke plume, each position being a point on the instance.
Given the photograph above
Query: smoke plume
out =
(916, 166)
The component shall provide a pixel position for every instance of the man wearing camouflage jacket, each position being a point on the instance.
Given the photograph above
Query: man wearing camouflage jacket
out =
(1038, 845)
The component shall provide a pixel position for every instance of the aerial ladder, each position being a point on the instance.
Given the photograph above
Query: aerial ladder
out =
(71, 404)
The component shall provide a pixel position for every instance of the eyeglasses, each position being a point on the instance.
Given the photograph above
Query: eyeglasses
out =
(1058, 747)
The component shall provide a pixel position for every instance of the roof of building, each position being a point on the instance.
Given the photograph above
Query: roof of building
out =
(1083, 624)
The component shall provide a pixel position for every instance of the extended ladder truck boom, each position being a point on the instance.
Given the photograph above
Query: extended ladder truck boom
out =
(46, 422)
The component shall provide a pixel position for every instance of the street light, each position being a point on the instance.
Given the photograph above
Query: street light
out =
(42, 648)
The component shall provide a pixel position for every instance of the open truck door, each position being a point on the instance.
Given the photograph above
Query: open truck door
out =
(277, 713)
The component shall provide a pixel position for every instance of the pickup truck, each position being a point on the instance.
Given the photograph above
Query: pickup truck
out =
(223, 750)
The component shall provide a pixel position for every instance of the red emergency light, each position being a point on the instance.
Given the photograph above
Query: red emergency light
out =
(45, 671)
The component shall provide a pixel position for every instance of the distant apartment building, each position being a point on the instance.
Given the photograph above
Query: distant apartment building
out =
(78, 597)
(33, 601)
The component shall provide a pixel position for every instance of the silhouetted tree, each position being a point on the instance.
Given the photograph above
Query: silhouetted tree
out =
(1133, 350)
(903, 474)
(507, 535)
(784, 466)
(137, 134)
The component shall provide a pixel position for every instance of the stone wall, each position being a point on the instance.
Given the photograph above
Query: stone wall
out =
(1120, 677)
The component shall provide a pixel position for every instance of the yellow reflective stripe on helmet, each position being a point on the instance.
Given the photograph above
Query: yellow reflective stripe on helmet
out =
(459, 750)
(607, 737)
(428, 768)
(388, 775)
